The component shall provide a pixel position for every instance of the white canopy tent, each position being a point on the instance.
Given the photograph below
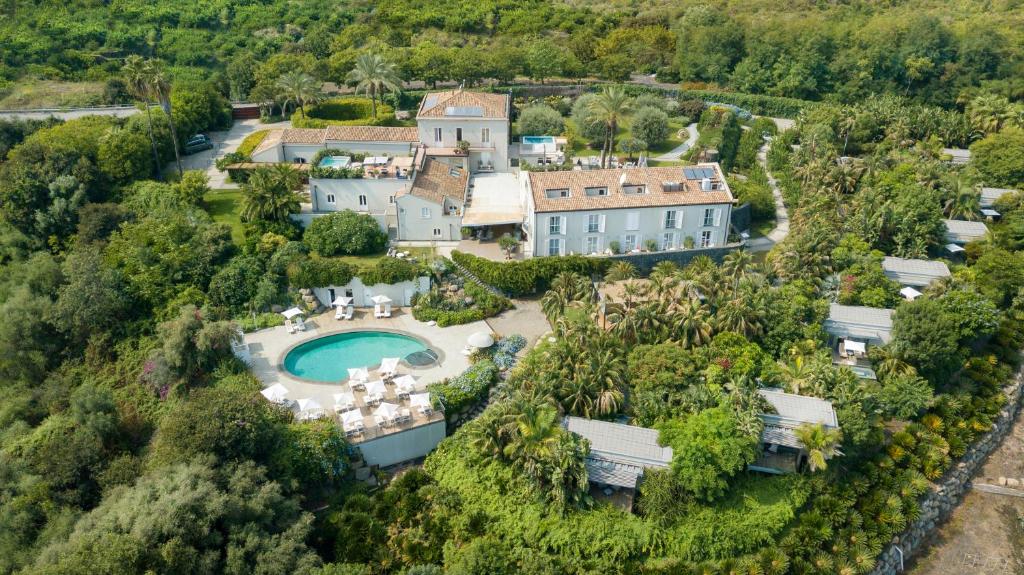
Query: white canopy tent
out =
(381, 299)
(376, 387)
(352, 420)
(291, 312)
(358, 373)
(420, 400)
(344, 400)
(308, 404)
(388, 365)
(910, 293)
(381, 306)
(481, 339)
(386, 410)
(405, 383)
(276, 393)
(342, 301)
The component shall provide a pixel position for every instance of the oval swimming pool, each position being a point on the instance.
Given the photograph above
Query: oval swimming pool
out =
(328, 358)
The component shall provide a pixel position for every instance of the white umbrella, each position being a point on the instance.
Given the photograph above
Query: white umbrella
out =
(376, 386)
(910, 293)
(405, 382)
(386, 410)
(358, 373)
(418, 399)
(309, 404)
(389, 364)
(291, 312)
(275, 393)
(380, 298)
(350, 418)
(342, 301)
(344, 398)
(481, 339)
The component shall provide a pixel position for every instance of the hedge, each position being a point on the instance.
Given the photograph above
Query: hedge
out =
(316, 271)
(429, 307)
(528, 276)
(775, 106)
(466, 389)
(347, 111)
(251, 142)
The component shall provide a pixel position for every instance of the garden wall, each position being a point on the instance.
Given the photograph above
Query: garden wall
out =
(644, 262)
(938, 504)
(741, 217)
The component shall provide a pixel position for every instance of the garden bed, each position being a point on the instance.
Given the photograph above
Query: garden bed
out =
(456, 301)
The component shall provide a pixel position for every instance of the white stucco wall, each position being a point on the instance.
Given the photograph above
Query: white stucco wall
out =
(400, 293)
(404, 445)
(347, 191)
(649, 224)
(412, 226)
(372, 148)
(471, 132)
(304, 151)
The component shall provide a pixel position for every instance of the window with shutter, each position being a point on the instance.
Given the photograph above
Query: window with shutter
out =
(632, 221)
(718, 217)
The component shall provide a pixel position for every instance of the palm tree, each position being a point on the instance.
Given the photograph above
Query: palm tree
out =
(735, 264)
(160, 86)
(847, 124)
(988, 112)
(373, 75)
(137, 80)
(797, 374)
(619, 271)
(888, 361)
(609, 107)
(820, 443)
(964, 203)
(692, 324)
(534, 438)
(299, 88)
(270, 194)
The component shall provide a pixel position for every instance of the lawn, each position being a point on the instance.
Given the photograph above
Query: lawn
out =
(51, 94)
(225, 206)
(369, 260)
(580, 148)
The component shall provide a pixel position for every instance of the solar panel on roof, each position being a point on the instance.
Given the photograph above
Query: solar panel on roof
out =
(464, 111)
(430, 102)
(698, 173)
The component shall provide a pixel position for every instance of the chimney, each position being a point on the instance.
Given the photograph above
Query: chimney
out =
(705, 185)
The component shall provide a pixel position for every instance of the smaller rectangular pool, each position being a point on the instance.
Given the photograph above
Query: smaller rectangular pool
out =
(538, 139)
(335, 162)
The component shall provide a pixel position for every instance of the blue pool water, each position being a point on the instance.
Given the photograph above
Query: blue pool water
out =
(538, 139)
(335, 162)
(328, 358)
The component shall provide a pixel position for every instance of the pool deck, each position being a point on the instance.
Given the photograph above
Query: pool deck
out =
(268, 347)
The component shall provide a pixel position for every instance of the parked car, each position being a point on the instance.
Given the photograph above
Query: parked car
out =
(198, 143)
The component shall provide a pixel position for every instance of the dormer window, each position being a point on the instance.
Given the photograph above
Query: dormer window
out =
(634, 189)
(672, 186)
(602, 191)
(556, 193)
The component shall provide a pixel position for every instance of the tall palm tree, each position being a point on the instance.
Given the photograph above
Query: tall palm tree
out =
(620, 270)
(988, 112)
(820, 443)
(299, 88)
(160, 85)
(964, 202)
(136, 78)
(374, 76)
(610, 107)
(734, 265)
(692, 324)
(270, 194)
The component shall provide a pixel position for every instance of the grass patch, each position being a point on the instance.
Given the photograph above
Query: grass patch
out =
(761, 228)
(367, 260)
(251, 142)
(51, 94)
(225, 206)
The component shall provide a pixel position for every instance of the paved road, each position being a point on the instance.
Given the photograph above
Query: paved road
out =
(70, 114)
(224, 143)
(781, 213)
(675, 153)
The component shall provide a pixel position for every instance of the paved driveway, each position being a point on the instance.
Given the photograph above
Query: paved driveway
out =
(526, 319)
(224, 143)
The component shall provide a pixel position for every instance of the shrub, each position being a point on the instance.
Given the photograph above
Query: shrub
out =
(260, 321)
(462, 391)
(390, 271)
(319, 272)
(528, 276)
(650, 125)
(762, 203)
(541, 120)
(251, 142)
(449, 310)
(347, 111)
(755, 103)
(345, 233)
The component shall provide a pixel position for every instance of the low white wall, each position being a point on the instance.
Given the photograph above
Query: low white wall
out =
(404, 445)
(400, 293)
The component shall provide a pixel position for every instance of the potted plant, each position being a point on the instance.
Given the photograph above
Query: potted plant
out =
(462, 147)
(688, 242)
(467, 232)
(650, 245)
(509, 244)
(615, 246)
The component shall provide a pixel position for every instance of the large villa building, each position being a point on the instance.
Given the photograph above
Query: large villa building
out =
(457, 169)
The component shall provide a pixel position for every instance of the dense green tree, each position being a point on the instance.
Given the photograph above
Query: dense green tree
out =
(269, 194)
(540, 119)
(650, 125)
(345, 233)
(999, 157)
(928, 338)
(374, 76)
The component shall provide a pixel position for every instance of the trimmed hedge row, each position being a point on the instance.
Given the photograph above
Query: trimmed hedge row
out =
(347, 111)
(466, 389)
(528, 276)
(316, 271)
(759, 104)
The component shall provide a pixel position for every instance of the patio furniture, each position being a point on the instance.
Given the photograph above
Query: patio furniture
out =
(387, 412)
(349, 312)
(422, 403)
(404, 385)
(381, 306)
(310, 409)
(344, 307)
(276, 393)
(352, 422)
(344, 402)
(388, 367)
(300, 325)
(373, 399)
(293, 320)
(404, 416)
(357, 378)
(288, 326)
(481, 340)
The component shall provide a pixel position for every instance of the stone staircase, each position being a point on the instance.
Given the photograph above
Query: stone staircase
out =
(471, 277)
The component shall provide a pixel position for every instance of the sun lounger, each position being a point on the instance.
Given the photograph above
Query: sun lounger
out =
(339, 313)
(349, 311)
(288, 326)
(300, 325)
(404, 415)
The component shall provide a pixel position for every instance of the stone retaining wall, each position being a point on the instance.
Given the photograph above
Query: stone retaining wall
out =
(938, 504)
(644, 262)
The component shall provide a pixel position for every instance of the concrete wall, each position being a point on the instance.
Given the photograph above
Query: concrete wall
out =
(741, 217)
(303, 151)
(274, 154)
(471, 132)
(650, 224)
(939, 502)
(400, 293)
(403, 445)
(346, 193)
(412, 226)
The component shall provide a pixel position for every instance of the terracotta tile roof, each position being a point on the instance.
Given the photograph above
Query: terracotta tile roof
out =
(273, 138)
(462, 104)
(302, 136)
(665, 186)
(372, 134)
(437, 180)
